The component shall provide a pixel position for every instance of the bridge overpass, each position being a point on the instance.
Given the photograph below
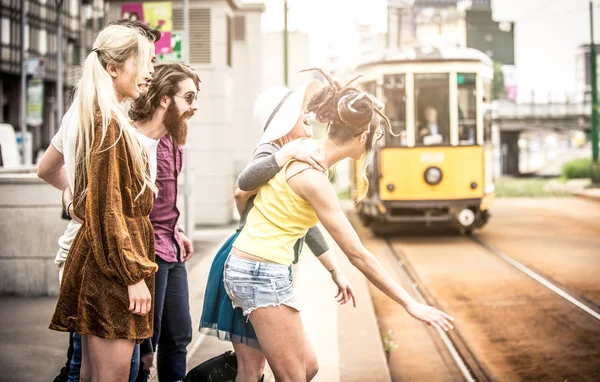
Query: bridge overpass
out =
(512, 119)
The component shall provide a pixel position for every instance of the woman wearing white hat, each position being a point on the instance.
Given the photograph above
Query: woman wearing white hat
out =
(255, 275)
(282, 115)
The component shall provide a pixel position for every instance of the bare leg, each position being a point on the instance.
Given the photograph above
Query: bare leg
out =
(310, 358)
(281, 336)
(85, 373)
(109, 360)
(250, 363)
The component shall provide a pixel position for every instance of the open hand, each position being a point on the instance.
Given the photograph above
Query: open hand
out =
(307, 150)
(345, 289)
(430, 315)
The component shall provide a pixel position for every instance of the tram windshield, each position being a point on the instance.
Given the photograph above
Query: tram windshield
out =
(467, 108)
(394, 95)
(432, 116)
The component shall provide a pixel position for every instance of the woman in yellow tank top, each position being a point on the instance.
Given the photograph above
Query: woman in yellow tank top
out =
(256, 274)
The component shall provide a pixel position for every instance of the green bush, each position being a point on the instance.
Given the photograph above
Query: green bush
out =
(577, 168)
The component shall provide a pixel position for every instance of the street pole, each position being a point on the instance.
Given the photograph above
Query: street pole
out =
(187, 173)
(59, 64)
(23, 99)
(285, 42)
(595, 171)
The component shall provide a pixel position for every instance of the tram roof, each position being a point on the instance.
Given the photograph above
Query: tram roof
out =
(428, 54)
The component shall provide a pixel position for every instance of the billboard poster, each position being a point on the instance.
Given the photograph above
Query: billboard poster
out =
(35, 102)
(510, 81)
(157, 15)
(175, 54)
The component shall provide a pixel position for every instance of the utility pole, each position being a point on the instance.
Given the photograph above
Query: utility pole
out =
(59, 63)
(187, 185)
(595, 168)
(23, 100)
(593, 70)
(285, 42)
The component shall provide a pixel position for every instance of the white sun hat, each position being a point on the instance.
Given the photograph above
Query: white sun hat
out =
(278, 108)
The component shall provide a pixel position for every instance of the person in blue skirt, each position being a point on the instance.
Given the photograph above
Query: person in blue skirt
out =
(283, 116)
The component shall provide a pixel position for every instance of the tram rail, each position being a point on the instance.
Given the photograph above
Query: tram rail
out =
(465, 360)
(544, 280)
(463, 356)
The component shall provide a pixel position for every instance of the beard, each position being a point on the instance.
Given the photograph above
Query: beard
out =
(176, 123)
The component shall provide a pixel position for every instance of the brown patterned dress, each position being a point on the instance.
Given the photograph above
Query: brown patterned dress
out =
(114, 248)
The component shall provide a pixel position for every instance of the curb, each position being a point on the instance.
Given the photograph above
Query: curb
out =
(592, 194)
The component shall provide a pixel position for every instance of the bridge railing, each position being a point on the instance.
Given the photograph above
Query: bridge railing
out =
(546, 110)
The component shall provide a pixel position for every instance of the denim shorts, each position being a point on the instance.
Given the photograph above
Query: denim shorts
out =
(255, 284)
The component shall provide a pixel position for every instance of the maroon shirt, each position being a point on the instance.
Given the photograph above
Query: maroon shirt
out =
(165, 214)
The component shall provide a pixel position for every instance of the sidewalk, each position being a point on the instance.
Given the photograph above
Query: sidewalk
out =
(578, 187)
(346, 339)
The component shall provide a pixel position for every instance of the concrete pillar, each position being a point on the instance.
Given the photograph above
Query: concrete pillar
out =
(30, 226)
(247, 72)
(509, 143)
(211, 129)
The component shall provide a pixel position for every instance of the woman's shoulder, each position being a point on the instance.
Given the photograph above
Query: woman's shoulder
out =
(296, 167)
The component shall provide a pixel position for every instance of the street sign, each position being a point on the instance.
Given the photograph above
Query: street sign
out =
(36, 67)
(35, 102)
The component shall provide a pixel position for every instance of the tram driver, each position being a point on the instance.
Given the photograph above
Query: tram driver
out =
(429, 130)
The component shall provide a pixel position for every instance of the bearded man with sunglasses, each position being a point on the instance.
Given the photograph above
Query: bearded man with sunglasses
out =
(171, 100)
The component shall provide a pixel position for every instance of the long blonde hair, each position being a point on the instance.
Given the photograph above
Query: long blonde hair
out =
(114, 45)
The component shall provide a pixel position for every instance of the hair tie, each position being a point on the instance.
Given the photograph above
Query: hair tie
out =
(95, 50)
(360, 96)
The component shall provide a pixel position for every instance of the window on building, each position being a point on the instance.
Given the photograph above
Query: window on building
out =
(432, 109)
(5, 31)
(27, 38)
(200, 29)
(239, 28)
(229, 32)
(394, 96)
(74, 8)
(43, 42)
(467, 108)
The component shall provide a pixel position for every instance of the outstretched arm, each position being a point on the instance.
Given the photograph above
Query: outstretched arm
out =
(268, 160)
(315, 188)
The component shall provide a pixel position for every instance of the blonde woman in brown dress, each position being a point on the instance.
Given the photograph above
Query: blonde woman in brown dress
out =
(108, 282)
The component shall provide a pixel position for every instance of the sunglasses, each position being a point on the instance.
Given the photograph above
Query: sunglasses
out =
(377, 134)
(188, 97)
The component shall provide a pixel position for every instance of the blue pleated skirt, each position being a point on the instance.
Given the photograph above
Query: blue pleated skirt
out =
(219, 318)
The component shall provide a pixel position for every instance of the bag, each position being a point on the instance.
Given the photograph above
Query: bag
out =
(222, 368)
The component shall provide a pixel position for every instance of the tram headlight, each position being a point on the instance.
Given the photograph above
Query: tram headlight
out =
(433, 175)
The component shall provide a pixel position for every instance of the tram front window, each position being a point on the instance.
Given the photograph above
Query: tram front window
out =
(432, 116)
(394, 94)
(467, 108)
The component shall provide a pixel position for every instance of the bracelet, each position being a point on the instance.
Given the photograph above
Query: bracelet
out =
(180, 230)
(68, 208)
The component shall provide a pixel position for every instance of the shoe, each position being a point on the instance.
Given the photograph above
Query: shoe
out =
(63, 376)
(222, 368)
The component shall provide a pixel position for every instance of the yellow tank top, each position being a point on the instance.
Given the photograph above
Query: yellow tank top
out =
(279, 218)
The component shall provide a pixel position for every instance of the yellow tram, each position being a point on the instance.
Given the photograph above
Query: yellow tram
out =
(441, 167)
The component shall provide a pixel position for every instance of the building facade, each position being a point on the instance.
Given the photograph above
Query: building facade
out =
(80, 21)
(549, 38)
(225, 60)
